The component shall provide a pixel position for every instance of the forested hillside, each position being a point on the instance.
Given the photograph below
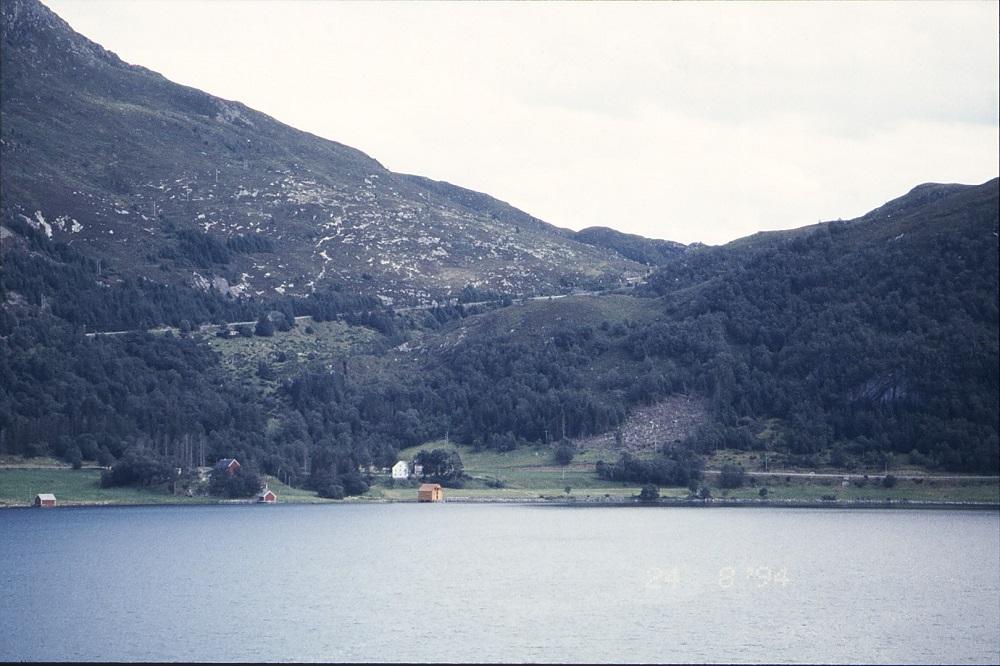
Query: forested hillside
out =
(839, 344)
(867, 337)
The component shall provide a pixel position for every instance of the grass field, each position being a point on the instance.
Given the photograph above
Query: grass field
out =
(18, 487)
(928, 490)
(527, 474)
(511, 494)
(530, 469)
(531, 472)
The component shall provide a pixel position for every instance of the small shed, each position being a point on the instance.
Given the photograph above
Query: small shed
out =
(267, 496)
(45, 499)
(430, 492)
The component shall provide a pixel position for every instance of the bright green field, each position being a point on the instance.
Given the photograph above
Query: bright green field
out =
(512, 494)
(905, 489)
(529, 473)
(529, 469)
(18, 487)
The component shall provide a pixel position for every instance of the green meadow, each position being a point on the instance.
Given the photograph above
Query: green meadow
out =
(18, 487)
(524, 474)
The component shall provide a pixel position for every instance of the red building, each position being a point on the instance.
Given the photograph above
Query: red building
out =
(45, 499)
(267, 496)
(228, 465)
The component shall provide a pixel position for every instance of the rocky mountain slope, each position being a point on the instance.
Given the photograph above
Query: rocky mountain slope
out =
(169, 183)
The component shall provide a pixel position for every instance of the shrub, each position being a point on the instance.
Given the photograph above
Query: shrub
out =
(137, 467)
(75, 457)
(731, 476)
(266, 372)
(565, 452)
(264, 327)
(649, 493)
(243, 483)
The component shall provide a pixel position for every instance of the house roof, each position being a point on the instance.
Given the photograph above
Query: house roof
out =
(46, 496)
(401, 462)
(226, 462)
(265, 492)
(430, 486)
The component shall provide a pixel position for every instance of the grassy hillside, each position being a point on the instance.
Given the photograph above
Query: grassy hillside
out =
(286, 353)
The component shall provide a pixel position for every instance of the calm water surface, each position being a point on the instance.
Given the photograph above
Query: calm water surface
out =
(468, 583)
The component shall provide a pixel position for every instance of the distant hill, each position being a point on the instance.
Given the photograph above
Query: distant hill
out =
(649, 251)
(168, 183)
(871, 336)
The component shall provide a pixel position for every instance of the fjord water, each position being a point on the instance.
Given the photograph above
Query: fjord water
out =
(467, 583)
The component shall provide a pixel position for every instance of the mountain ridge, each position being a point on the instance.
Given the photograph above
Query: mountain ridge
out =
(122, 163)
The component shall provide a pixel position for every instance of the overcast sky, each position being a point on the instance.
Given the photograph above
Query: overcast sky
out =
(689, 121)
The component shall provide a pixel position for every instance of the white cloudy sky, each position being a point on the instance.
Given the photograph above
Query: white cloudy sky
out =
(692, 121)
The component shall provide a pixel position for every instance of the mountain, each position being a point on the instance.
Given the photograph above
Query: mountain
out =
(649, 251)
(848, 343)
(168, 183)
(871, 336)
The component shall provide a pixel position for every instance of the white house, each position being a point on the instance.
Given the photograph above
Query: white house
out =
(401, 470)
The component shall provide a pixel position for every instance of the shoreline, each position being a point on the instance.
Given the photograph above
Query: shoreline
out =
(579, 503)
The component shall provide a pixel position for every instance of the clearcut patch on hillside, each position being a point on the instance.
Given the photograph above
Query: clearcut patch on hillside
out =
(646, 428)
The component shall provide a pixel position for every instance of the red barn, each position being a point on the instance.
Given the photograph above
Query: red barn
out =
(45, 499)
(267, 496)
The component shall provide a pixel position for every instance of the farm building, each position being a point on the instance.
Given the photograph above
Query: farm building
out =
(401, 470)
(45, 499)
(267, 496)
(430, 492)
(228, 465)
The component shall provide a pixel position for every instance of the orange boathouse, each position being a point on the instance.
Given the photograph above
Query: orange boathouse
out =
(430, 492)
